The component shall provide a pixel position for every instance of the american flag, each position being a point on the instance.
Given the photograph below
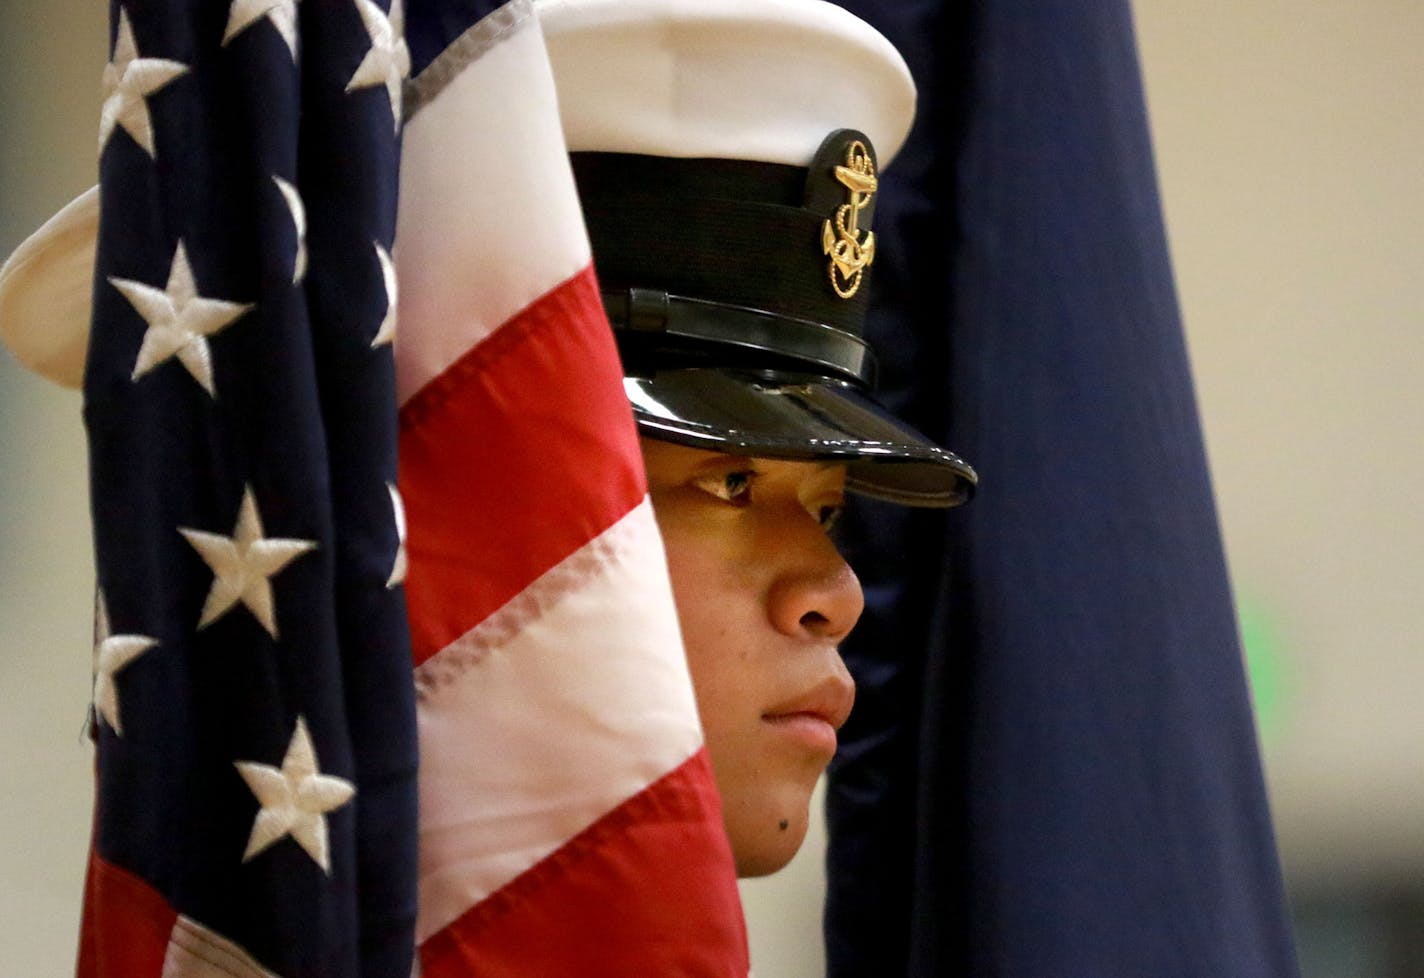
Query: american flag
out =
(258, 546)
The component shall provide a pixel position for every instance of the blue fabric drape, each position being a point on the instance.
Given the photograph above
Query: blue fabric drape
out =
(1052, 769)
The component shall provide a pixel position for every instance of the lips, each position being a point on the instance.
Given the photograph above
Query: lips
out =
(828, 702)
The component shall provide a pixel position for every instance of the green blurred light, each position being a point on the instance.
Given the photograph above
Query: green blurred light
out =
(1264, 666)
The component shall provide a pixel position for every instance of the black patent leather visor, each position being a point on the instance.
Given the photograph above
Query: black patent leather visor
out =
(775, 414)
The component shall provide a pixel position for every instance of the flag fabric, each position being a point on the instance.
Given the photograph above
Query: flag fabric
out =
(569, 821)
(254, 716)
(1052, 767)
(257, 543)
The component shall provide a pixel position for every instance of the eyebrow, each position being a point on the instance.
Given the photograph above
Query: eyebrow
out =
(723, 461)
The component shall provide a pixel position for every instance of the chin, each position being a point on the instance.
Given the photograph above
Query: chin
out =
(760, 845)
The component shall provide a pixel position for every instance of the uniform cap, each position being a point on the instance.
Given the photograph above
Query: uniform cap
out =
(727, 155)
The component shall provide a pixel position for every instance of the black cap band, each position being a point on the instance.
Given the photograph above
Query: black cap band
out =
(735, 232)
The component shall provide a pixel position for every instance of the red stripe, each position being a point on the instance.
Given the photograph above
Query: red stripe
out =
(513, 458)
(645, 890)
(126, 925)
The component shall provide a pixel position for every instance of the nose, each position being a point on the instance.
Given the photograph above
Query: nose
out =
(815, 595)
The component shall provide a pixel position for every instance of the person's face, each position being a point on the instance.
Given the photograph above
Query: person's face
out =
(764, 598)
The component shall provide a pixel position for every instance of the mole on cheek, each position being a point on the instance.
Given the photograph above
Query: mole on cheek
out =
(783, 825)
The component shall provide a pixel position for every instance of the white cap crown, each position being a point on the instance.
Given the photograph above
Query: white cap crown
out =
(762, 80)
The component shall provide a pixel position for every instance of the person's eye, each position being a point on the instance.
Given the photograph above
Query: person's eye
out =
(733, 487)
(829, 516)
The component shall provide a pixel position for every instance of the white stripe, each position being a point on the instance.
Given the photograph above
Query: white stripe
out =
(489, 219)
(559, 707)
(195, 951)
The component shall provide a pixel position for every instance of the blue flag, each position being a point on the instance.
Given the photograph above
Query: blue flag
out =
(1052, 768)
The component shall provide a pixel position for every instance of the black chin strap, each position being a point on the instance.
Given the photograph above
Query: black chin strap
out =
(671, 320)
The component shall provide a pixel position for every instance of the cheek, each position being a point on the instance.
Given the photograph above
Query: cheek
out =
(716, 586)
(716, 613)
(723, 622)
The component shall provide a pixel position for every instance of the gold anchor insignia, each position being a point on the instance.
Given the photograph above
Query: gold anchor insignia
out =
(849, 254)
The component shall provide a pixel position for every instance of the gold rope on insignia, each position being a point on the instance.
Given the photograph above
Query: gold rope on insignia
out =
(849, 254)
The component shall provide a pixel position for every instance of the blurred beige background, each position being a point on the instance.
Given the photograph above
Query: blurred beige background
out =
(51, 55)
(1289, 140)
